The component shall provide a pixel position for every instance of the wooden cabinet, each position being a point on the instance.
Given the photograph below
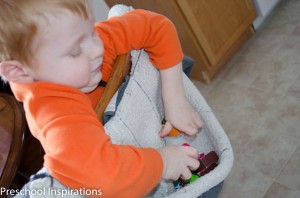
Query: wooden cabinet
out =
(210, 31)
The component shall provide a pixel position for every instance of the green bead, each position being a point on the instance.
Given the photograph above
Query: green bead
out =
(193, 178)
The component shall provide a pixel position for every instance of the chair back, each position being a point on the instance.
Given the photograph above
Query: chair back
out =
(12, 128)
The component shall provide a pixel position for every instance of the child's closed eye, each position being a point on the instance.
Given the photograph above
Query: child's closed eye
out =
(76, 53)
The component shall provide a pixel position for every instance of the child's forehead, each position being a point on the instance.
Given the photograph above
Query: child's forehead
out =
(62, 25)
(75, 7)
(63, 17)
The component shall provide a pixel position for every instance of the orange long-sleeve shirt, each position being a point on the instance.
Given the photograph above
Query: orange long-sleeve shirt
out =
(78, 152)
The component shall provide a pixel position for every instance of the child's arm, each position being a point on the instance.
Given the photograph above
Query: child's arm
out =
(139, 29)
(78, 152)
(178, 111)
(157, 35)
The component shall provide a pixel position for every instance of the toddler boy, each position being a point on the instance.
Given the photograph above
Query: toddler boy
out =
(54, 56)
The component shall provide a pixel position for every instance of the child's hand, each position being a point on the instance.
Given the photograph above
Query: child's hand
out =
(178, 161)
(180, 114)
(178, 111)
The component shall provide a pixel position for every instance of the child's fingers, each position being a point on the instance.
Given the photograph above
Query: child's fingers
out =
(194, 125)
(191, 151)
(193, 164)
(166, 129)
(191, 130)
(186, 174)
(198, 121)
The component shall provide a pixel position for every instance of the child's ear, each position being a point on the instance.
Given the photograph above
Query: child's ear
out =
(14, 71)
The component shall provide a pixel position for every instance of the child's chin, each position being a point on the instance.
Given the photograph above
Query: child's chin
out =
(89, 88)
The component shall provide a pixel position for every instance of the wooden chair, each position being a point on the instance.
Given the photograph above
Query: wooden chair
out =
(12, 128)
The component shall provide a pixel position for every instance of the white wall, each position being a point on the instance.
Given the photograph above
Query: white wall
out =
(100, 10)
(263, 9)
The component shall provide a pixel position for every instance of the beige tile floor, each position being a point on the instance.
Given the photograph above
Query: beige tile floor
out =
(256, 97)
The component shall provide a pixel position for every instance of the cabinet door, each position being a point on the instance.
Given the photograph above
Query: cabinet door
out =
(217, 24)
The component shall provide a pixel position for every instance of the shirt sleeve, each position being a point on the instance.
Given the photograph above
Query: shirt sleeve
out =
(78, 152)
(140, 29)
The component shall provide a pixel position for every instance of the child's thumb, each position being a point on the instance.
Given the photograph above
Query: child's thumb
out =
(166, 129)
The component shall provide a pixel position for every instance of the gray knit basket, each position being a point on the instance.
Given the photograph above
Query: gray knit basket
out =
(137, 121)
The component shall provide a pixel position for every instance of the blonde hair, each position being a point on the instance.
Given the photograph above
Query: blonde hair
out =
(19, 24)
